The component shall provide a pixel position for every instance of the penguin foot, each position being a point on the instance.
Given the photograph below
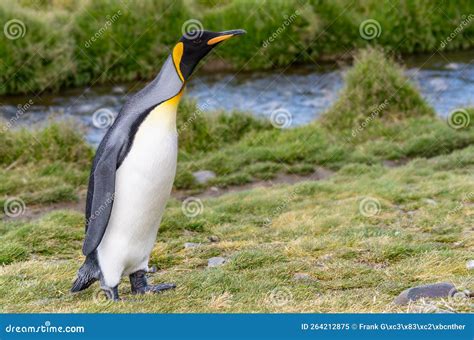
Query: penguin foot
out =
(111, 293)
(140, 285)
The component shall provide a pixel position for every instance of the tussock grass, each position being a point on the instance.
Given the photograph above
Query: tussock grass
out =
(132, 38)
(355, 262)
(375, 91)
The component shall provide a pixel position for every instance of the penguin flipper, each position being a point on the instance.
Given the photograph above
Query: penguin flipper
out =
(100, 205)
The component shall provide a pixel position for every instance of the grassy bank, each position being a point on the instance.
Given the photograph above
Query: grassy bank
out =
(396, 213)
(73, 43)
(353, 260)
(378, 117)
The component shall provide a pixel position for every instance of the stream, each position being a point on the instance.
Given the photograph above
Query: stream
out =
(446, 82)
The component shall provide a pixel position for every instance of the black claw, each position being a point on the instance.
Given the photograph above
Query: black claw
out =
(141, 286)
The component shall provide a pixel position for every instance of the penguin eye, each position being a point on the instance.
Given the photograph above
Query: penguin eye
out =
(197, 41)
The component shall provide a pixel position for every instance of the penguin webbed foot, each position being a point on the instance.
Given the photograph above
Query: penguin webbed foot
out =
(111, 293)
(140, 285)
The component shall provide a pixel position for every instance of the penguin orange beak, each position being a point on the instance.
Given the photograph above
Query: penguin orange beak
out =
(225, 35)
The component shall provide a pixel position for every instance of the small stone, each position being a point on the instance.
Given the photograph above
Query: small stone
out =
(214, 189)
(302, 277)
(216, 261)
(191, 245)
(118, 90)
(470, 265)
(431, 201)
(213, 238)
(203, 176)
(436, 290)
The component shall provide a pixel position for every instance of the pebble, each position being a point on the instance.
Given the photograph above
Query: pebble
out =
(302, 277)
(203, 176)
(470, 265)
(191, 245)
(436, 290)
(216, 261)
(213, 238)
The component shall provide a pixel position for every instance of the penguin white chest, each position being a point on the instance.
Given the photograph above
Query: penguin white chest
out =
(143, 185)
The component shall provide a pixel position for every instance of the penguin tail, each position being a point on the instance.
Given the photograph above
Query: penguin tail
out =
(87, 274)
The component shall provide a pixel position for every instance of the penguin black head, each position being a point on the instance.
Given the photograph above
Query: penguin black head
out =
(194, 46)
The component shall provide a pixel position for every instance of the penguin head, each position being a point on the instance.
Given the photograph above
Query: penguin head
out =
(194, 46)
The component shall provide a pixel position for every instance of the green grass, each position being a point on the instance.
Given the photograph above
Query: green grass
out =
(132, 38)
(356, 262)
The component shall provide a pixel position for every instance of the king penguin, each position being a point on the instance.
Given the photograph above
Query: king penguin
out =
(133, 172)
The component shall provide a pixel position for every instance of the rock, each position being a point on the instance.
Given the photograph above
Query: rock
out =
(191, 245)
(302, 277)
(203, 176)
(470, 265)
(118, 90)
(431, 201)
(216, 261)
(436, 290)
(213, 238)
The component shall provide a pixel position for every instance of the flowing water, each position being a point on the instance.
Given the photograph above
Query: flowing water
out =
(446, 82)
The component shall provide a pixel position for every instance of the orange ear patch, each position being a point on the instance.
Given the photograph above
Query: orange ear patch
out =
(219, 39)
(177, 55)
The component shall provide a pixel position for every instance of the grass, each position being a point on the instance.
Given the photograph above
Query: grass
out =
(131, 39)
(360, 236)
(354, 262)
